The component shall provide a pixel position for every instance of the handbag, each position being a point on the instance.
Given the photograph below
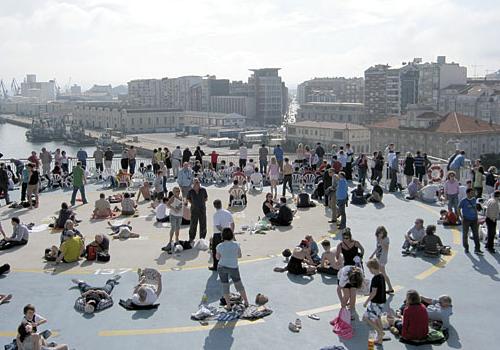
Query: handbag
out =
(342, 324)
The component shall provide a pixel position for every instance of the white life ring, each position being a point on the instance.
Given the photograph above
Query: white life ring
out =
(435, 173)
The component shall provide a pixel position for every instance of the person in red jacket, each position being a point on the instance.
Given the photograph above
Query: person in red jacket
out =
(415, 325)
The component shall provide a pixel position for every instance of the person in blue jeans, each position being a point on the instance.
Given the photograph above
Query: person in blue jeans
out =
(467, 211)
(82, 156)
(228, 252)
(342, 198)
(79, 181)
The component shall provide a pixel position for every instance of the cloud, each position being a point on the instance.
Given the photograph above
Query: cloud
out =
(101, 41)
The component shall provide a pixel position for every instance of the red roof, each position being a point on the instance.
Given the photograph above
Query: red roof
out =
(452, 123)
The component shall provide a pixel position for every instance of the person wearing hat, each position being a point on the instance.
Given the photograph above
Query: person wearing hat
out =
(94, 299)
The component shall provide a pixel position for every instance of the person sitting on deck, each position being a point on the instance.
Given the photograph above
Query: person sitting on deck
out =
(377, 193)
(415, 321)
(329, 264)
(413, 238)
(448, 218)
(300, 262)
(20, 235)
(94, 299)
(145, 191)
(358, 195)
(431, 243)
(285, 214)
(101, 243)
(69, 251)
(65, 213)
(268, 207)
(235, 188)
(28, 339)
(123, 178)
(102, 208)
(414, 189)
(314, 249)
(70, 226)
(256, 179)
(128, 205)
(439, 310)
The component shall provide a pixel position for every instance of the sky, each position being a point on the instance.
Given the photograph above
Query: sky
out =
(114, 41)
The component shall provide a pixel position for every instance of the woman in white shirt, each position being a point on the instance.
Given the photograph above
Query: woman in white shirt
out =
(174, 204)
(228, 253)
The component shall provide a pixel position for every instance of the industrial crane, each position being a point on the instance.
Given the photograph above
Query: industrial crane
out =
(4, 90)
(14, 87)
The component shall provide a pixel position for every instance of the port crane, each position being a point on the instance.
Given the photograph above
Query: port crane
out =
(14, 87)
(3, 90)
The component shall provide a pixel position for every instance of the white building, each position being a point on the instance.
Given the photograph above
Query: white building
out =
(42, 92)
(332, 112)
(328, 133)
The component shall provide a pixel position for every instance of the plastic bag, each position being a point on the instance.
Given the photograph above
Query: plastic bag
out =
(201, 244)
(342, 324)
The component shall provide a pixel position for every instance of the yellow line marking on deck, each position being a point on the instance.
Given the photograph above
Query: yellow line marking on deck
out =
(360, 300)
(186, 329)
(439, 265)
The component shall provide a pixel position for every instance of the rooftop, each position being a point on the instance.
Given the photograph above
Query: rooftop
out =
(328, 125)
(452, 123)
(186, 278)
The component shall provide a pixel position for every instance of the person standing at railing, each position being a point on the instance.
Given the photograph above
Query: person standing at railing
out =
(124, 159)
(263, 154)
(57, 156)
(82, 156)
(393, 162)
(186, 155)
(64, 162)
(418, 161)
(278, 154)
(46, 159)
(98, 158)
(176, 160)
(185, 179)
(132, 154)
(408, 168)
(33, 159)
(457, 163)
(19, 166)
(350, 159)
(451, 190)
(79, 181)
(199, 154)
(243, 156)
(320, 152)
(33, 186)
(168, 160)
(108, 158)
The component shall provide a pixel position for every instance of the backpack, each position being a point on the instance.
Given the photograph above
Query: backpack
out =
(342, 324)
(91, 252)
(303, 200)
(103, 257)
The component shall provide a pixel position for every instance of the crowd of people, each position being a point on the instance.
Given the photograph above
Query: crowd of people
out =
(470, 203)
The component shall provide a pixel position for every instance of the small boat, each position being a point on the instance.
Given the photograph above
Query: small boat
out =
(76, 136)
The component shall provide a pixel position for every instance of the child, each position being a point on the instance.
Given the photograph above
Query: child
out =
(447, 218)
(329, 264)
(158, 185)
(439, 309)
(314, 249)
(375, 303)
(32, 318)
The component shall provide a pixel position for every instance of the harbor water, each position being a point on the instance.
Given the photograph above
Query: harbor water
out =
(13, 144)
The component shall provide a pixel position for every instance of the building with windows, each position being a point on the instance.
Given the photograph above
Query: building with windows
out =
(375, 98)
(332, 112)
(328, 133)
(478, 99)
(176, 92)
(435, 134)
(242, 105)
(337, 89)
(38, 91)
(144, 92)
(270, 94)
